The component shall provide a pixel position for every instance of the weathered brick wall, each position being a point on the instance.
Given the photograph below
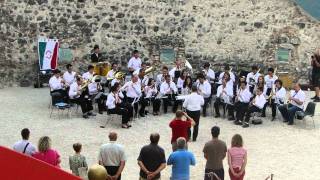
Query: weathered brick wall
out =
(235, 31)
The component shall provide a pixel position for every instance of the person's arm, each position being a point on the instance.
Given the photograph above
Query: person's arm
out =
(193, 160)
(317, 63)
(230, 164)
(243, 167)
(298, 100)
(185, 103)
(160, 168)
(170, 160)
(121, 167)
(189, 118)
(143, 168)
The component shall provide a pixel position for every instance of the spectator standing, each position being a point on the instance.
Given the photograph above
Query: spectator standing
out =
(181, 161)
(112, 157)
(237, 158)
(214, 152)
(152, 159)
(24, 146)
(46, 153)
(77, 160)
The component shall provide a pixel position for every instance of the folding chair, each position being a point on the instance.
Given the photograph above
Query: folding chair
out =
(310, 111)
(61, 106)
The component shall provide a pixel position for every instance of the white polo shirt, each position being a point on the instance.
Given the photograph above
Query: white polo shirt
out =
(193, 102)
(260, 101)
(69, 77)
(134, 63)
(111, 154)
(20, 145)
(299, 95)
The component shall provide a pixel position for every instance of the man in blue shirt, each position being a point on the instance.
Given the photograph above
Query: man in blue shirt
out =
(180, 161)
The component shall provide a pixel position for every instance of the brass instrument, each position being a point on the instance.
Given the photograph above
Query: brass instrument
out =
(273, 89)
(188, 65)
(149, 70)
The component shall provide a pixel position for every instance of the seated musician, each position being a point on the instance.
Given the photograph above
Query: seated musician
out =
(88, 75)
(181, 80)
(224, 97)
(151, 93)
(260, 84)
(57, 86)
(143, 77)
(276, 98)
(143, 80)
(69, 76)
(256, 106)
(296, 103)
(175, 72)
(133, 93)
(242, 101)
(113, 104)
(78, 96)
(252, 78)
(111, 74)
(135, 62)
(204, 89)
(231, 75)
(95, 56)
(169, 90)
(161, 77)
(187, 85)
(96, 94)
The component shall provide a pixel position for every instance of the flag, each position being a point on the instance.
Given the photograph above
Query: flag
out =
(48, 50)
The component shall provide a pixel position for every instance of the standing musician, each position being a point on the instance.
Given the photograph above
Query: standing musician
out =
(181, 80)
(114, 105)
(69, 76)
(80, 97)
(161, 77)
(277, 98)
(192, 104)
(252, 78)
(135, 62)
(151, 93)
(296, 103)
(204, 89)
(210, 76)
(169, 89)
(175, 72)
(57, 87)
(143, 80)
(227, 70)
(187, 85)
(133, 92)
(95, 56)
(315, 63)
(269, 79)
(88, 75)
(256, 106)
(242, 101)
(96, 94)
(224, 98)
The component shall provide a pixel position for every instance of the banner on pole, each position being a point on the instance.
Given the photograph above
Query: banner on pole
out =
(48, 51)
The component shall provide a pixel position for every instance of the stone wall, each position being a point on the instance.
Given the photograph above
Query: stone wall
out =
(240, 32)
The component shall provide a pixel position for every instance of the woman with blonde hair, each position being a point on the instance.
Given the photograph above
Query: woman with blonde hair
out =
(237, 158)
(45, 153)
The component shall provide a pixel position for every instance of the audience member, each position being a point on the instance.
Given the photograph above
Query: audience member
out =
(214, 152)
(77, 161)
(97, 172)
(112, 157)
(152, 159)
(237, 158)
(46, 153)
(180, 128)
(24, 146)
(180, 161)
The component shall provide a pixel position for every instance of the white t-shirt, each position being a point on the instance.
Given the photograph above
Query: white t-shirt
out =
(299, 95)
(69, 77)
(134, 63)
(20, 145)
(111, 154)
(193, 102)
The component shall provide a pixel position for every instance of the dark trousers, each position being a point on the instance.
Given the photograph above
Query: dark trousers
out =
(143, 103)
(59, 95)
(168, 101)
(156, 103)
(121, 111)
(205, 105)
(195, 115)
(218, 172)
(85, 103)
(241, 109)
(219, 103)
(251, 110)
(100, 99)
(135, 105)
(251, 88)
(273, 107)
(112, 170)
(288, 112)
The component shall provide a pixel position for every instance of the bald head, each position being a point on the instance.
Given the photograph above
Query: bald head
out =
(113, 136)
(154, 138)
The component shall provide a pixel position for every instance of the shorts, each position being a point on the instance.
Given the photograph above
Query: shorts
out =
(316, 80)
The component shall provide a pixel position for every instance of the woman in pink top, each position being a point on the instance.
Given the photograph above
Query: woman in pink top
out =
(47, 154)
(237, 158)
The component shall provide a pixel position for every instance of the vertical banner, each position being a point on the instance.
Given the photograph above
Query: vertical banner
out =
(48, 50)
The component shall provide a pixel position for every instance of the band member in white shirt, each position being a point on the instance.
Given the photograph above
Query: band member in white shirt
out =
(276, 99)
(296, 103)
(96, 94)
(78, 96)
(204, 89)
(133, 92)
(208, 72)
(260, 83)
(256, 105)
(224, 98)
(175, 72)
(57, 88)
(169, 89)
(111, 74)
(88, 75)
(95, 56)
(227, 70)
(187, 85)
(151, 93)
(181, 80)
(135, 62)
(192, 104)
(114, 106)
(252, 78)
(69, 76)
(242, 101)
(161, 77)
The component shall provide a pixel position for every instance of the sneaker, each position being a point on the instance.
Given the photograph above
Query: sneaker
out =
(141, 115)
(245, 125)
(100, 112)
(314, 97)
(273, 118)
(91, 114)
(231, 119)
(238, 122)
(217, 116)
(290, 123)
(85, 116)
